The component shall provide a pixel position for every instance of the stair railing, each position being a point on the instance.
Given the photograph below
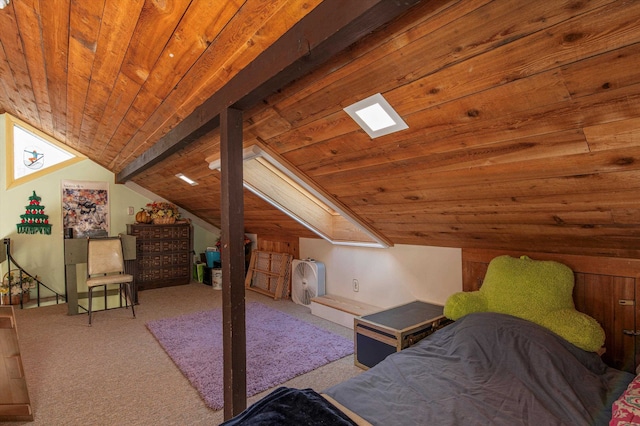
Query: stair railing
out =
(23, 273)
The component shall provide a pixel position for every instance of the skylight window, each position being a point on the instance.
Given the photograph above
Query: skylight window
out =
(270, 178)
(376, 116)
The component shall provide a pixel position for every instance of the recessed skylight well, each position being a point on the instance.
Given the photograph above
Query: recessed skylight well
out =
(376, 116)
(273, 179)
(247, 154)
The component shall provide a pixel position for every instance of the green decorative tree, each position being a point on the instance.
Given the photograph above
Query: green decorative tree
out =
(34, 220)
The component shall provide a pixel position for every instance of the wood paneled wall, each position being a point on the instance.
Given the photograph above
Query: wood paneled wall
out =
(279, 244)
(606, 288)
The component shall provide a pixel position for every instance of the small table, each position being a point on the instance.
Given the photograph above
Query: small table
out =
(380, 334)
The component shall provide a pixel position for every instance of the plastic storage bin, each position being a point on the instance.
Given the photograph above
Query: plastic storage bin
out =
(212, 256)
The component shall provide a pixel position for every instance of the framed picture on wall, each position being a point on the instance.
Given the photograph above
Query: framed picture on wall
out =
(85, 209)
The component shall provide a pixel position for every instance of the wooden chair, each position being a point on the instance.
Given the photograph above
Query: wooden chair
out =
(105, 265)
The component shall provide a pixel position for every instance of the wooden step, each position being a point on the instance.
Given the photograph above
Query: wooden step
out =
(346, 305)
(340, 310)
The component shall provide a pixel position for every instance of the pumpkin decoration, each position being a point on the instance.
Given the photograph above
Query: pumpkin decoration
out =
(143, 216)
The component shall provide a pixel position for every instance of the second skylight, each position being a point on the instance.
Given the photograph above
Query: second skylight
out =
(376, 116)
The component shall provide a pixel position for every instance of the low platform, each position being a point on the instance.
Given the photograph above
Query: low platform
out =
(340, 309)
(14, 397)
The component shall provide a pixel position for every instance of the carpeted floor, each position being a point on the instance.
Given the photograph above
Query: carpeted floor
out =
(116, 373)
(279, 348)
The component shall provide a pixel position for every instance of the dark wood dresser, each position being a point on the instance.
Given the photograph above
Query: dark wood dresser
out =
(163, 254)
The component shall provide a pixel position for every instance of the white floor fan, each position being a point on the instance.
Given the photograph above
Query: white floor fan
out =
(307, 280)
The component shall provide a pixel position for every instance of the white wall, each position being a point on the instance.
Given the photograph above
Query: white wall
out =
(388, 277)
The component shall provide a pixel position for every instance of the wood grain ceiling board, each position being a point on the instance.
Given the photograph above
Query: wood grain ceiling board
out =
(523, 115)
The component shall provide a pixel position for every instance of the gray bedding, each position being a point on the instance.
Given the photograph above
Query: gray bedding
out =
(486, 369)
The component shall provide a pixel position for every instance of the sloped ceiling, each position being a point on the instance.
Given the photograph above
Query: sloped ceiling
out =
(523, 116)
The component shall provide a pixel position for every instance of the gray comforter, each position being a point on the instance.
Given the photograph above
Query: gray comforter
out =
(486, 369)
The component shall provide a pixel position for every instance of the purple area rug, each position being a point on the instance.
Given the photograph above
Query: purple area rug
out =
(279, 348)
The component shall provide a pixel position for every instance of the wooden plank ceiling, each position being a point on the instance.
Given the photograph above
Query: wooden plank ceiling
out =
(524, 117)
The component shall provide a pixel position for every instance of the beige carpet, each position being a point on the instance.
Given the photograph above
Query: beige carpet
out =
(115, 372)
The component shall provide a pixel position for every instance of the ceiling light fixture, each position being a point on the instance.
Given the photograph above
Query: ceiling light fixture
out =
(376, 116)
(4, 3)
(186, 179)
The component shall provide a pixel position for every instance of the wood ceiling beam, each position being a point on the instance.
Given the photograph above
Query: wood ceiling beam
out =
(325, 31)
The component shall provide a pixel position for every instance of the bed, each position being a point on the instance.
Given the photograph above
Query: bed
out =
(485, 368)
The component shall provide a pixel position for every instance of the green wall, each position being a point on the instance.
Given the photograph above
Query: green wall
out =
(43, 254)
